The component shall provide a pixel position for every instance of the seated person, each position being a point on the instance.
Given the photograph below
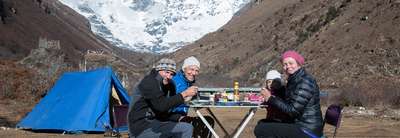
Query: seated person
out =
(274, 83)
(184, 81)
(300, 103)
(149, 115)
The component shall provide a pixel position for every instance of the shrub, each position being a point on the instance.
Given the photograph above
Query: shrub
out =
(370, 95)
(391, 95)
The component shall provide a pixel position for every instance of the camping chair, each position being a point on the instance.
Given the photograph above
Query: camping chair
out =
(120, 113)
(333, 116)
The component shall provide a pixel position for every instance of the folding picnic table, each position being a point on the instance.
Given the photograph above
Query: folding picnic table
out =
(198, 106)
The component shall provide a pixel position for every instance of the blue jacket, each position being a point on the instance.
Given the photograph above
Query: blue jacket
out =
(181, 84)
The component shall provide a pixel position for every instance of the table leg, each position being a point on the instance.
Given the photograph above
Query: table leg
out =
(216, 120)
(244, 122)
(206, 123)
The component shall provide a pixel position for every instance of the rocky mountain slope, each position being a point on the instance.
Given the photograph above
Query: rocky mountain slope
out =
(328, 33)
(40, 40)
(351, 46)
(26, 21)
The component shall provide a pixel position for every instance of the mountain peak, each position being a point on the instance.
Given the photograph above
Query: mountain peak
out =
(155, 26)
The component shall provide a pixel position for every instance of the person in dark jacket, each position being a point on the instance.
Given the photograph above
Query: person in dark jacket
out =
(153, 98)
(274, 83)
(301, 103)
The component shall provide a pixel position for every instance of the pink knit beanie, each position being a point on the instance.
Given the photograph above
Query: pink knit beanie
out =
(293, 54)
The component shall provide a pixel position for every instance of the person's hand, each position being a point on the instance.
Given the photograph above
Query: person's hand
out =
(265, 93)
(190, 92)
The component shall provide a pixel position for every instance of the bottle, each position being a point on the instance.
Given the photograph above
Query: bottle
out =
(236, 91)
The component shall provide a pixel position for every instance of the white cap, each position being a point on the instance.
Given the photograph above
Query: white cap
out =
(273, 74)
(190, 61)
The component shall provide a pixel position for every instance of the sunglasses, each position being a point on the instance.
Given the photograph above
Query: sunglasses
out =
(170, 72)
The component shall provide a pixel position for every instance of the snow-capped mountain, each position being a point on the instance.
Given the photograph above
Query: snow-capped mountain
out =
(159, 26)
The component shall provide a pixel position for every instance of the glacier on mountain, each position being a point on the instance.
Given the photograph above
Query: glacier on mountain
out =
(157, 26)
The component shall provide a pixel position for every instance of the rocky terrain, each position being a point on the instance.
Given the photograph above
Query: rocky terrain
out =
(350, 46)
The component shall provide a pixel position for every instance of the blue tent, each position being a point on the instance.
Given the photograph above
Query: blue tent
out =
(79, 102)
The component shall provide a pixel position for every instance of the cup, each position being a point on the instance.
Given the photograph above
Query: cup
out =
(217, 97)
(187, 99)
(212, 98)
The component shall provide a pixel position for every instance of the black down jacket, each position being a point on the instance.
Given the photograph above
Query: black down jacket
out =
(151, 101)
(301, 102)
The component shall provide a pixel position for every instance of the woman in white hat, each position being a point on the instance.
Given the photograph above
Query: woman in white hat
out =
(274, 83)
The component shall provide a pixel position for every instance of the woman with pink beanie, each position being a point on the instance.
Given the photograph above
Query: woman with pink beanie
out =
(300, 103)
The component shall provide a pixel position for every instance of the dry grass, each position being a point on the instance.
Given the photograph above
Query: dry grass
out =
(387, 95)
